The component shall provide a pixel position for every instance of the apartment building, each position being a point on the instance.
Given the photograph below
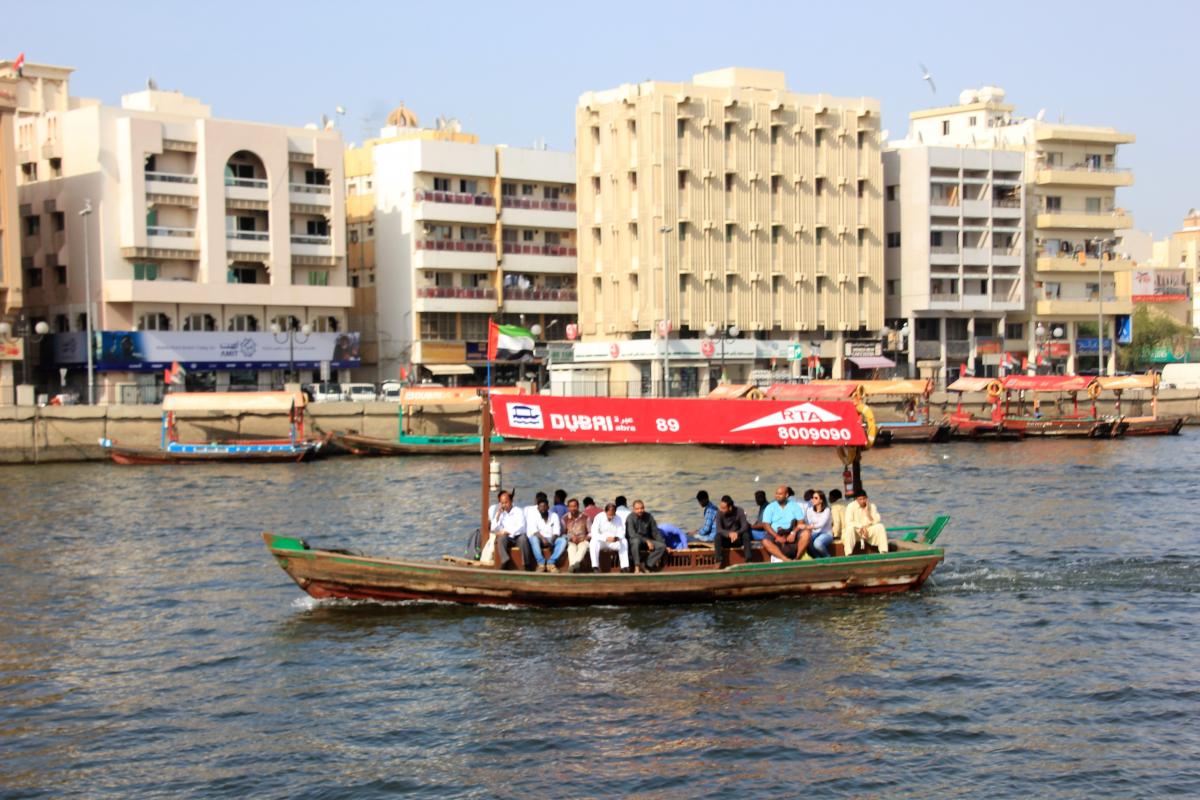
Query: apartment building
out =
(728, 204)
(203, 235)
(954, 254)
(1171, 278)
(460, 233)
(11, 350)
(1076, 271)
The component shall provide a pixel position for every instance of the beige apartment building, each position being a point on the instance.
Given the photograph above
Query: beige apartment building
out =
(733, 205)
(1075, 267)
(200, 235)
(11, 350)
(447, 233)
(1171, 278)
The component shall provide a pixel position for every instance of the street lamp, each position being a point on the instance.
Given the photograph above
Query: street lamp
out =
(1100, 243)
(665, 230)
(727, 334)
(23, 334)
(290, 336)
(86, 212)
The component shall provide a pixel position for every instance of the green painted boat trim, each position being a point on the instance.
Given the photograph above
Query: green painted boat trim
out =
(409, 439)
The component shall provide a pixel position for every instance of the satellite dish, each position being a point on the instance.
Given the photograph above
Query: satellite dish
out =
(1041, 115)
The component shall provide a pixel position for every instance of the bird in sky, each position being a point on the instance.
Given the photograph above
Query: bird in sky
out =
(925, 76)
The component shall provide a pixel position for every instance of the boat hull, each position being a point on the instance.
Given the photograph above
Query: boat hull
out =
(325, 574)
(430, 445)
(1151, 426)
(917, 432)
(234, 452)
(1061, 427)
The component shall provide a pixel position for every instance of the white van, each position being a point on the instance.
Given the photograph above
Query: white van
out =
(359, 392)
(1180, 376)
(389, 391)
(325, 392)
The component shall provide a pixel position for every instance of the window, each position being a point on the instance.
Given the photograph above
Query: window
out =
(1053, 203)
(680, 127)
(508, 189)
(154, 321)
(553, 238)
(776, 184)
(595, 135)
(145, 272)
(199, 322)
(33, 226)
(475, 327)
(683, 179)
(527, 235)
(971, 122)
(820, 186)
(60, 275)
(438, 325)
(58, 221)
(243, 322)
(819, 136)
(862, 236)
(241, 275)
(509, 235)
(286, 322)
(317, 227)
(633, 181)
(1014, 330)
(730, 231)
(820, 234)
(775, 129)
(776, 233)
(33, 277)
(550, 192)
(893, 239)
(62, 323)
(862, 188)
(945, 127)
(596, 186)
(468, 234)
(468, 186)
(353, 236)
(318, 277)
(729, 181)
(325, 324)
(441, 184)
(891, 192)
(316, 177)
(1054, 158)
(527, 189)
(729, 130)
(683, 226)
(893, 287)
(935, 238)
(1092, 205)
(29, 172)
(862, 139)
(56, 168)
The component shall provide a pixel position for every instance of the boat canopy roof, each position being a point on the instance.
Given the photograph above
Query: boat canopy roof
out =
(676, 421)
(732, 391)
(1121, 383)
(971, 385)
(895, 386)
(825, 390)
(467, 396)
(271, 402)
(1047, 383)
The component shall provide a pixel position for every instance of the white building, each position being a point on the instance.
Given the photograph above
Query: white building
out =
(464, 232)
(203, 234)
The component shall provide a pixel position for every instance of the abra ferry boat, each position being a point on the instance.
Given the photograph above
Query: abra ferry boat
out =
(688, 575)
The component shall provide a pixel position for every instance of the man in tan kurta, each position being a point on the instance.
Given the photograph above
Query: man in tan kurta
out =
(861, 523)
(837, 506)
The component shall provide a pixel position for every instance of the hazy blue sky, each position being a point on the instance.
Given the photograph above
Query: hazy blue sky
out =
(512, 72)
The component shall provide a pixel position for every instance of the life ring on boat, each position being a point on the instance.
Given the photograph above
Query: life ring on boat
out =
(868, 417)
(994, 388)
(1094, 389)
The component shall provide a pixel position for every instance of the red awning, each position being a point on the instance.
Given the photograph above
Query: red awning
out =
(1047, 383)
(811, 391)
(872, 362)
(670, 421)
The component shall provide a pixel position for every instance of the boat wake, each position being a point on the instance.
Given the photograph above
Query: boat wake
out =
(1173, 574)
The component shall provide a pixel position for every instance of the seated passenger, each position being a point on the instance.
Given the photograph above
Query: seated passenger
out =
(676, 537)
(508, 529)
(575, 532)
(642, 533)
(818, 525)
(780, 520)
(733, 530)
(863, 524)
(590, 509)
(708, 530)
(560, 503)
(609, 534)
(623, 511)
(837, 507)
(757, 528)
(542, 528)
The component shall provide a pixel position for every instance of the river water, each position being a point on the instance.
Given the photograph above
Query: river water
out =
(149, 647)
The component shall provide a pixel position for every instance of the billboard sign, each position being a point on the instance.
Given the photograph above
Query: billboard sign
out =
(1159, 285)
(149, 351)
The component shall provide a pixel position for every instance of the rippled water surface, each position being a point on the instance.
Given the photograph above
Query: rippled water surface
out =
(149, 647)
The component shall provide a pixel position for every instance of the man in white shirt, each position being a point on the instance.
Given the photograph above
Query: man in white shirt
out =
(623, 510)
(542, 527)
(608, 533)
(508, 528)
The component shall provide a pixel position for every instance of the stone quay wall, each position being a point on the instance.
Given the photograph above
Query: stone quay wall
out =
(72, 433)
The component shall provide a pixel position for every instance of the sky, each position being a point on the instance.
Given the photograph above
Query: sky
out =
(512, 72)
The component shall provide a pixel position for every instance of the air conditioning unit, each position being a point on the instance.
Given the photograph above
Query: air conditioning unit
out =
(797, 130)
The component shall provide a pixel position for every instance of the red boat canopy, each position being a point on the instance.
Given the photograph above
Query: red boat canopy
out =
(732, 391)
(812, 391)
(1047, 383)
(659, 421)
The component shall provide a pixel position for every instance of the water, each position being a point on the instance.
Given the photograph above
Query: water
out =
(149, 647)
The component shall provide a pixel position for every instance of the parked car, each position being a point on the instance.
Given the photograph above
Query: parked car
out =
(358, 392)
(324, 392)
(389, 391)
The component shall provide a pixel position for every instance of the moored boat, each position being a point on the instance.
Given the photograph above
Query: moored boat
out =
(1152, 425)
(359, 445)
(1076, 424)
(172, 451)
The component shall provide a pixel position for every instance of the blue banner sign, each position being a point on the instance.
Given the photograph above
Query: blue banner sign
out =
(147, 351)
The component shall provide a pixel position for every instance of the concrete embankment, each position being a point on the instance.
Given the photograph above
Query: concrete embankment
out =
(72, 433)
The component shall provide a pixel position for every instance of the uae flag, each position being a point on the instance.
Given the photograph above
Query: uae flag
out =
(19, 66)
(509, 343)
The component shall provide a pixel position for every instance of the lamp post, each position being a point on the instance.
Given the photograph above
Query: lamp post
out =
(291, 334)
(665, 230)
(730, 333)
(1100, 306)
(86, 212)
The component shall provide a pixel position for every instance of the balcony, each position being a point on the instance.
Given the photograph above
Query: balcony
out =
(162, 237)
(1071, 264)
(311, 245)
(310, 194)
(1084, 175)
(452, 254)
(455, 298)
(558, 259)
(172, 183)
(530, 212)
(540, 301)
(552, 295)
(476, 209)
(1088, 220)
(247, 189)
(259, 294)
(1083, 308)
(258, 242)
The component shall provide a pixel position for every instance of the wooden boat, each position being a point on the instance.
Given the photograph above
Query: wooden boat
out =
(454, 406)
(965, 425)
(1076, 424)
(429, 445)
(826, 391)
(1152, 425)
(172, 451)
(918, 427)
(688, 575)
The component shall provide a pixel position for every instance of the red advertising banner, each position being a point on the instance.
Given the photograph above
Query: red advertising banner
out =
(668, 421)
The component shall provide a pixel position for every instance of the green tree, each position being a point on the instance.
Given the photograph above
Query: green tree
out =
(1151, 329)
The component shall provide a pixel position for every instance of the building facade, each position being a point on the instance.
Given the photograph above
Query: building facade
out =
(11, 349)
(200, 235)
(1171, 278)
(1077, 275)
(726, 203)
(460, 233)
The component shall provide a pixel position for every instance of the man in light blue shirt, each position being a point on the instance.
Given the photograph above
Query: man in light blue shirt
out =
(780, 520)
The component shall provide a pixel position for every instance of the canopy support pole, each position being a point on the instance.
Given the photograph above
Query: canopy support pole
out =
(485, 449)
